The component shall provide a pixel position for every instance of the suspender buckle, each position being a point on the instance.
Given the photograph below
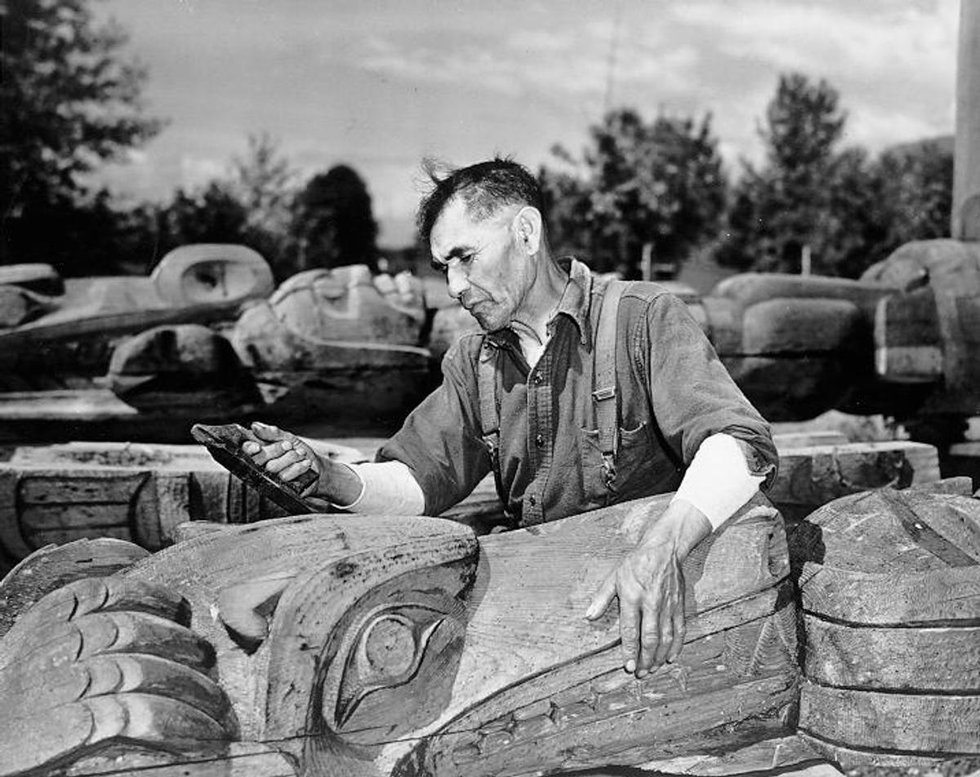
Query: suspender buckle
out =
(604, 393)
(608, 471)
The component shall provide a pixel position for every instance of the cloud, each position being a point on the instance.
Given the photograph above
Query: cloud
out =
(378, 84)
(197, 170)
(889, 41)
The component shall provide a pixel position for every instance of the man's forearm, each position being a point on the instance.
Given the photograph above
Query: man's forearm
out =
(718, 481)
(385, 487)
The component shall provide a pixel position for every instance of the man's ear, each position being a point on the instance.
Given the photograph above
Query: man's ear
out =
(529, 226)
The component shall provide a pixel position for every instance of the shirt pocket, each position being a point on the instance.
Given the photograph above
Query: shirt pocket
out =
(633, 464)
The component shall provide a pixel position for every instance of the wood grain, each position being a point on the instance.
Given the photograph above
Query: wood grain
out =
(896, 722)
(890, 587)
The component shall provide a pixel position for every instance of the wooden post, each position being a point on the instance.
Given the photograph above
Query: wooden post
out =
(966, 185)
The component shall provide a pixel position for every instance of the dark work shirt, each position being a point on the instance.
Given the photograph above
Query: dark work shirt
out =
(673, 394)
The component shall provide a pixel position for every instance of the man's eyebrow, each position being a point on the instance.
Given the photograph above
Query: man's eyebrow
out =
(456, 252)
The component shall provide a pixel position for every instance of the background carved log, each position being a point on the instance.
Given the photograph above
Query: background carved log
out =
(134, 492)
(141, 492)
(890, 585)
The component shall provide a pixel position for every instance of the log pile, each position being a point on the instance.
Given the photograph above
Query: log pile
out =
(890, 586)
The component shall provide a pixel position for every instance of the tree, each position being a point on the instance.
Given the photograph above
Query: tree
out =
(849, 209)
(917, 187)
(333, 224)
(786, 205)
(212, 215)
(69, 102)
(264, 182)
(659, 183)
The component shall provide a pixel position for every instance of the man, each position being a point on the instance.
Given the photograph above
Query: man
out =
(522, 400)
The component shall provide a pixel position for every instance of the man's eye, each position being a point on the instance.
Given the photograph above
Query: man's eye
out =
(439, 266)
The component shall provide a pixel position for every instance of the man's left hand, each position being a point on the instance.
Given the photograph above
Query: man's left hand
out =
(649, 584)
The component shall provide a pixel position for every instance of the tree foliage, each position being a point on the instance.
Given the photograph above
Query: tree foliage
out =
(70, 101)
(786, 205)
(849, 209)
(638, 182)
(917, 192)
(333, 224)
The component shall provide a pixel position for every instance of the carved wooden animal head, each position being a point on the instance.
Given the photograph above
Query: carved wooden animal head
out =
(369, 646)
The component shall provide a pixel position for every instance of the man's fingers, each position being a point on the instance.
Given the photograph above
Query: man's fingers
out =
(650, 638)
(262, 453)
(293, 471)
(666, 627)
(267, 432)
(629, 624)
(602, 599)
(680, 631)
(282, 461)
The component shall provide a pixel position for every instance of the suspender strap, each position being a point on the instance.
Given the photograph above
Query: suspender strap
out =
(604, 394)
(489, 415)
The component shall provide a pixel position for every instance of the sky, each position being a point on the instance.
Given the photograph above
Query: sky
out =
(381, 85)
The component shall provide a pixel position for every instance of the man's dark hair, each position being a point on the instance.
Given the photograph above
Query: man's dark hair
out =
(485, 188)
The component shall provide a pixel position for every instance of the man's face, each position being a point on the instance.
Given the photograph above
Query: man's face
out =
(485, 268)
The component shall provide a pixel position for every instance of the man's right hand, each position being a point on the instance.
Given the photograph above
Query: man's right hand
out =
(283, 454)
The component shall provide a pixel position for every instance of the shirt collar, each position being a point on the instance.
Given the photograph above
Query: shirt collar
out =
(574, 303)
(577, 297)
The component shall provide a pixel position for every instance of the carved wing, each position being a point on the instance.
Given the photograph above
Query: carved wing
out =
(103, 662)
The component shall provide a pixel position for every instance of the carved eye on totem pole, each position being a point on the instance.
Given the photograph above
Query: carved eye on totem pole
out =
(387, 668)
(390, 663)
(363, 647)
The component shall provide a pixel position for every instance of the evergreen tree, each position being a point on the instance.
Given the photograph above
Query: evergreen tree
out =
(333, 225)
(70, 101)
(787, 204)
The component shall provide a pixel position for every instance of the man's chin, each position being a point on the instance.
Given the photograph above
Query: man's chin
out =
(487, 323)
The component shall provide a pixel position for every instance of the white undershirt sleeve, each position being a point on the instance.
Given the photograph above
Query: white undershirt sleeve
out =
(387, 488)
(718, 481)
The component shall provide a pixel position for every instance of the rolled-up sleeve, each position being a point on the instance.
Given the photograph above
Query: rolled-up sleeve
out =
(440, 441)
(692, 394)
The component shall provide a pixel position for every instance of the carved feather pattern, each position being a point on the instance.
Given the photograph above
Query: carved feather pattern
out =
(117, 666)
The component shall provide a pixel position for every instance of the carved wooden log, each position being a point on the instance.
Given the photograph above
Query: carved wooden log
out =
(34, 276)
(890, 585)
(331, 345)
(952, 271)
(811, 476)
(140, 492)
(195, 283)
(176, 370)
(56, 494)
(378, 646)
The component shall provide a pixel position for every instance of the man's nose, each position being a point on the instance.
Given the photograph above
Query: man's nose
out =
(457, 281)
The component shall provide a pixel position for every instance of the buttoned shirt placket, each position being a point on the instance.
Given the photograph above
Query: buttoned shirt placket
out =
(540, 432)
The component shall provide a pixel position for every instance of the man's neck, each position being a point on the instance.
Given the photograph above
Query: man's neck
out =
(541, 302)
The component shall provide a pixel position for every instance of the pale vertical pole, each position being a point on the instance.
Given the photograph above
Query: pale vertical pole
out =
(805, 259)
(966, 165)
(646, 262)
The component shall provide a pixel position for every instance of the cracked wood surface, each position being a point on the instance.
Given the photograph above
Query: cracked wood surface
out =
(890, 588)
(405, 646)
